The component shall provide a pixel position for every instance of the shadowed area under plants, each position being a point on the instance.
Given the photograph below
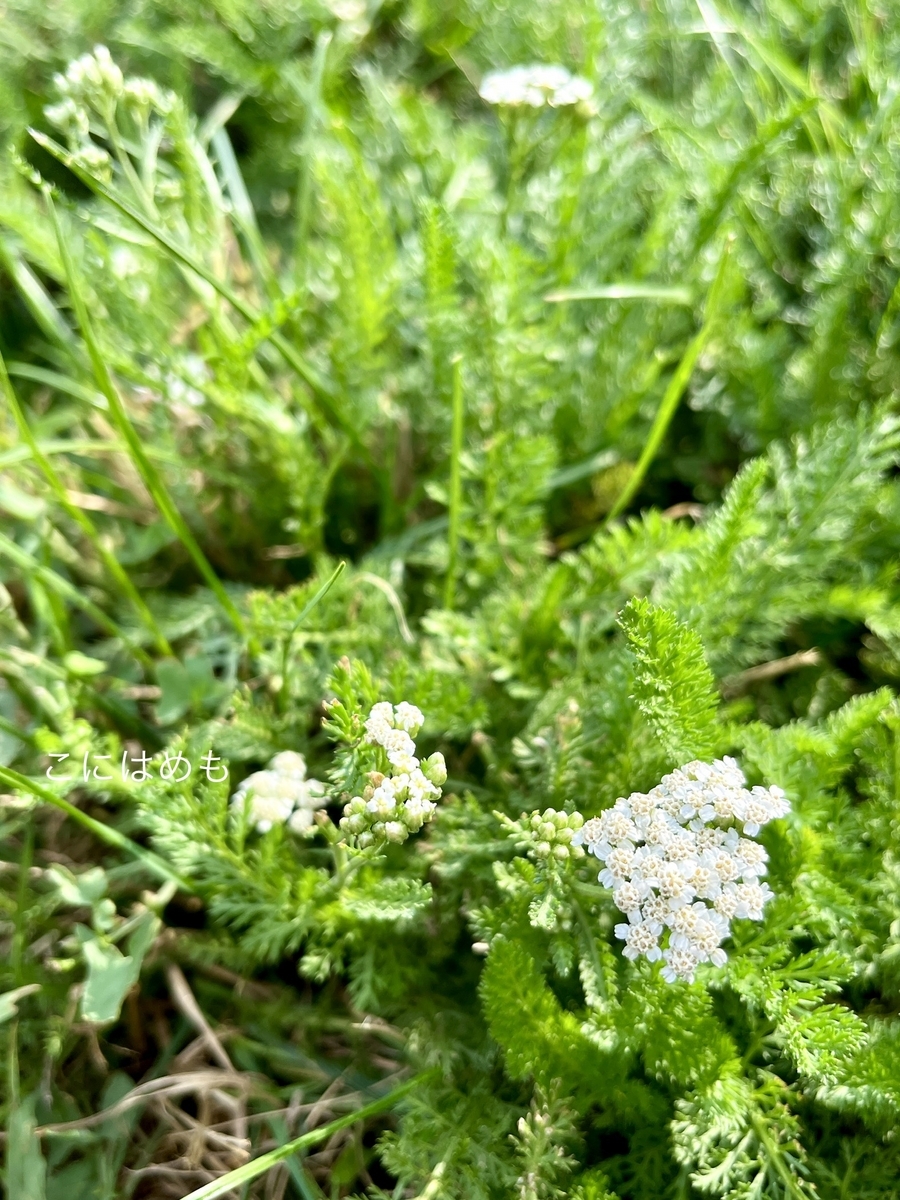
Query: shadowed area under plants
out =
(449, 607)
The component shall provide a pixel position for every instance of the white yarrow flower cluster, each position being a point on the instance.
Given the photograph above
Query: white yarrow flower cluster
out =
(94, 83)
(676, 861)
(398, 803)
(534, 87)
(281, 794)
(97, 80)
(92, 74)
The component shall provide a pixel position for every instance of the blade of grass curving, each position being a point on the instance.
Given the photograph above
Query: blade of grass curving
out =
(750, 158)
(455, 498)
(770, 56)
(259, 1166)
(718, 32)
(95, 447)
(14, 731)
(321, 387)
(61, 587)
(242, 211)
(148, 472)
(304, 613)
(37, 299)
(582, 470)
(112, 565)
(61, 383)
(105, 833)
(675, 390)
(393, 599)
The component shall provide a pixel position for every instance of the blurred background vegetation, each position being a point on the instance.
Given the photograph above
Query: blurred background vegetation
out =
(239, 323)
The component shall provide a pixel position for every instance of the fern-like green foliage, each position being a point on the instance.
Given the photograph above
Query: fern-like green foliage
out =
(328, 375)
(673, 686)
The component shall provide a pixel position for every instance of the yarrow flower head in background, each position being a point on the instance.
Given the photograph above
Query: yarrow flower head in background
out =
(535, 86)
(399, 801)
(281, 794)
(676, 860)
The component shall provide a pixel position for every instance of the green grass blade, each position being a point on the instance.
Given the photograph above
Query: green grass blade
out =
(321, 387)
(306, 610)
(674, 391)
(105, 833)
(67, 591)
(113, 567)
(304, 613)
(583, 470)
(60, 383)
(148, 472)
(14, 731)
(313, 100)
(754, 154)
(455, 498)
(242, 210)
(259, 1166)
(36, 297)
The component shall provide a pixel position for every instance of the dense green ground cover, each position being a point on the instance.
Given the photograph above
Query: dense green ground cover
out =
(308, 300)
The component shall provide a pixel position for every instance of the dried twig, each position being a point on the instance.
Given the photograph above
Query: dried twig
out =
(736, 685)
(184, 1000)
(166, 1085)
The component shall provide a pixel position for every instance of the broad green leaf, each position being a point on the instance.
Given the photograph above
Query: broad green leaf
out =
(185, 686)
(84, 889)
(26, 1170)
(110, 973)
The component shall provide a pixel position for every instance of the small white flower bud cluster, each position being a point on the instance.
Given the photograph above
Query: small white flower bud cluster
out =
(675, 861)
(534, 87)
(281, 794)
(97, 80)
(549, 836)
(92, 75)
(397, 804)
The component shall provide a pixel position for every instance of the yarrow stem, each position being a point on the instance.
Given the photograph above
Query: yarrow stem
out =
(677, 864)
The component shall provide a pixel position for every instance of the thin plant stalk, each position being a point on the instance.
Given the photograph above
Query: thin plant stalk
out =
(304, 184)
(38, 300)
(304, 613)
(259, 1166)
(87, 526)
(455, 497)
(104, 833)
(12, 730)
(322, 388)
(148, 472)
(674, 392)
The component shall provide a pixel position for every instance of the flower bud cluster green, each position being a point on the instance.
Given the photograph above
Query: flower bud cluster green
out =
(547, 837)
